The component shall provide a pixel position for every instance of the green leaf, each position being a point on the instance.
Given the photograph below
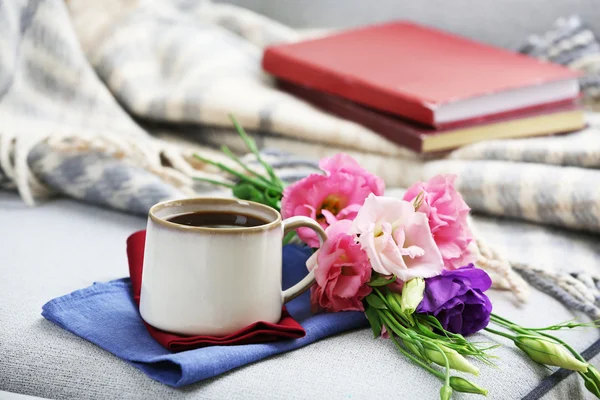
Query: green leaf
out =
(381, 280)
(274, 195)
(273, 201)
(289, 237)
(374, 320)
(374, 301)
(251, 144)
(247, 191)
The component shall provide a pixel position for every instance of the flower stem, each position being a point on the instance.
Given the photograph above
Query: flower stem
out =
(495, 332)
(252, 146)
(519, 329)
(446, 366)
(384, 299)
(416, 360)
(565, 325)
(510, 325)
(214, 182)
(396, 327)
(236, 159)
(225, 168)
(288, 238)
(499, 318)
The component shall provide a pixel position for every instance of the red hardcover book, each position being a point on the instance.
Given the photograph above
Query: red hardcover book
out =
(557, 117)
(420, 73)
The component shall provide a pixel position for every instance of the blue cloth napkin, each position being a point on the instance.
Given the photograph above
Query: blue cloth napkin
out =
(106, 315)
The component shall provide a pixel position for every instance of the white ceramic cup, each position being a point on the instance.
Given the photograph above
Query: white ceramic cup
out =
(215, 281)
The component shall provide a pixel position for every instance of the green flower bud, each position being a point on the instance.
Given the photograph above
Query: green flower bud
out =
(462, 385)
(592, 387)
(412, 295)
(393, 300)
(549, 353)
(445, 393)
(592, 380)
(455, 360)
(593, 374)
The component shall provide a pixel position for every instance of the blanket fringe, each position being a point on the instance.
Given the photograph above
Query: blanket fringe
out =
(170, 162)
(14, 151)
(504, 277)
(579, 292)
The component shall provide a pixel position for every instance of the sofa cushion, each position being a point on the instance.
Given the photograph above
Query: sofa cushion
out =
(64, 245)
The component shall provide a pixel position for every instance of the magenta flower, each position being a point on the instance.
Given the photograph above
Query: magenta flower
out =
(337, 195)
(397, 239)
(447, 214)
(341, 270)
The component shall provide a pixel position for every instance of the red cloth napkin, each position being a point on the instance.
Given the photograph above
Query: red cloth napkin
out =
(258, 332)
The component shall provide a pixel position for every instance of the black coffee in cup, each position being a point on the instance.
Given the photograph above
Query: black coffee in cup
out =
(213, 219)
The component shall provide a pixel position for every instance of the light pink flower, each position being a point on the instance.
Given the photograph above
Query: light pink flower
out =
(447, 213)
(337, 195)
(341, 270)
(397, 239)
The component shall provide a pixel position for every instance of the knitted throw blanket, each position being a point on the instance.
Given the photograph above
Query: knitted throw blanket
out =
(106, 101)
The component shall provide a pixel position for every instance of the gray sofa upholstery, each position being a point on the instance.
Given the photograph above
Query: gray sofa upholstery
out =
(64, 245)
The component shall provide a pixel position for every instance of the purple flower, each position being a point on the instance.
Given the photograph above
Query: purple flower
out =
(456, 299)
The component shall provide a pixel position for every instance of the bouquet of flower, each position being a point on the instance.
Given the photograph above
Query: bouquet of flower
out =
(406, 263)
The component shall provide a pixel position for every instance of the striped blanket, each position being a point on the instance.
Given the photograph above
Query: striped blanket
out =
(106, 101)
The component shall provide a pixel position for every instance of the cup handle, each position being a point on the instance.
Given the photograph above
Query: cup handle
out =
(308, 280)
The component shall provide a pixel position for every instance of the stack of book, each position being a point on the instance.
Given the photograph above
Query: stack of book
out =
(428, 90)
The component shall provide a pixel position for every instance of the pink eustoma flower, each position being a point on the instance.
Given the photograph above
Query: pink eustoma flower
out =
(341, 270)
(336, 195)
(343, 163)
(447, 214)
(397, 239)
